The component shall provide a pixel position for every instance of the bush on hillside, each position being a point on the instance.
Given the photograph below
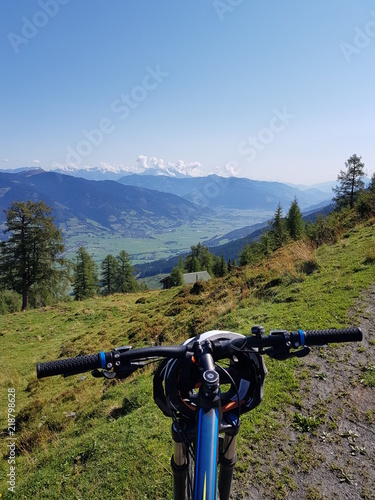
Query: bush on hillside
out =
(10, 302)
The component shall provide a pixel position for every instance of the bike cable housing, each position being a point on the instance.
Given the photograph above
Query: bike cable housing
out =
(241, 374)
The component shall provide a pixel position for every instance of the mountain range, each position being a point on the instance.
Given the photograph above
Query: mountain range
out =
(230, 192)
(127, 210)
(108, 172)
(144, 206)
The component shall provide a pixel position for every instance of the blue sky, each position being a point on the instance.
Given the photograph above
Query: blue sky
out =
(270, 90)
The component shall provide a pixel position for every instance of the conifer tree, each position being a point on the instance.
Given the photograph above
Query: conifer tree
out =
(110, 274)
(350, 182)
(126, 280)
(278, 231)
(223, 269)
(85, 276)
(31, 261)
(294, 221)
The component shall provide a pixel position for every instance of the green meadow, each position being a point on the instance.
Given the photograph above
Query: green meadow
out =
(80, 437)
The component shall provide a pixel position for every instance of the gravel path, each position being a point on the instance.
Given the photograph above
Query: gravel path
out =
(335, 458)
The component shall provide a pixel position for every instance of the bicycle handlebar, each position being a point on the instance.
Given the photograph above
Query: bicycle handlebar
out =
(120, 358)
(69, 366)
(322, 337)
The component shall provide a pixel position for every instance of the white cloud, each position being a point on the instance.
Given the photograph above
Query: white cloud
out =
(161, 167)
(120, 169)
(230, 169)
(144, 164)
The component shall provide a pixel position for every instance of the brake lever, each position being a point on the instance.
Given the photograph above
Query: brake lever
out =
(282, 353)
(121, 373)
(103, 373)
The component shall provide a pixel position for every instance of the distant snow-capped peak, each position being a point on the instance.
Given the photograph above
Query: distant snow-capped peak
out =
(145, 165)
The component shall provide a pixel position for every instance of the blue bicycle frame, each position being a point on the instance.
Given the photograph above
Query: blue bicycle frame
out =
(207, 454)
(206, 436)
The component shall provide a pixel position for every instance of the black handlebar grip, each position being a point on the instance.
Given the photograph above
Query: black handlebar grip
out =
(69, 366)
(322, 337)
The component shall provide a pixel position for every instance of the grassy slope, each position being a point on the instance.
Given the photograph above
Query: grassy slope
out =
(117, 441)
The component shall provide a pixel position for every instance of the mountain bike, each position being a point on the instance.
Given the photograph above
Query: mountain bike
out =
(204, 385)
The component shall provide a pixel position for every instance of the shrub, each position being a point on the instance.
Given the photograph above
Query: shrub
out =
(10, 302)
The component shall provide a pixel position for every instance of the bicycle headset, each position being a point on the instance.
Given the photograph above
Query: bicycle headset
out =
(176, 380)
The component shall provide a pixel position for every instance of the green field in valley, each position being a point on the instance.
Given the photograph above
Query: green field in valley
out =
(158, 244)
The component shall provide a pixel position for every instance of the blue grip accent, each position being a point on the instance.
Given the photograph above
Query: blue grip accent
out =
(302, 337)
(102, 359)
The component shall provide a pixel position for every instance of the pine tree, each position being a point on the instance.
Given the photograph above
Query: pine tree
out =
(126, 280)
(278, 231)
(294, 221)
(200, 259)
(350, 182)
(223, 266)
(31, 261)
(85, 276)
(110, 274)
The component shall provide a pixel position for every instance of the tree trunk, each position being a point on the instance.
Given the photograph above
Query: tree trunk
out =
(25, 300)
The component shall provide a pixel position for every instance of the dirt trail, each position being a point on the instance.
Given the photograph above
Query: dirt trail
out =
(336, 458)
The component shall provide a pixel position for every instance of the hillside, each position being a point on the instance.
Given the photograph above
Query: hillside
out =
(228, 245)
(312, 436)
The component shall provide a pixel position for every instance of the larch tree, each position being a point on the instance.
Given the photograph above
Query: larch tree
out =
(350, 182)
(31, 260)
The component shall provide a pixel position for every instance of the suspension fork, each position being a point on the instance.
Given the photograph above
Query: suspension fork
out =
(179, 462)
(228, 458)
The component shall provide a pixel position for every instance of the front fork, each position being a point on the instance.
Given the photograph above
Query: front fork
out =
(227, 462)
(186, 432)
(182, 464)
(182, 483)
